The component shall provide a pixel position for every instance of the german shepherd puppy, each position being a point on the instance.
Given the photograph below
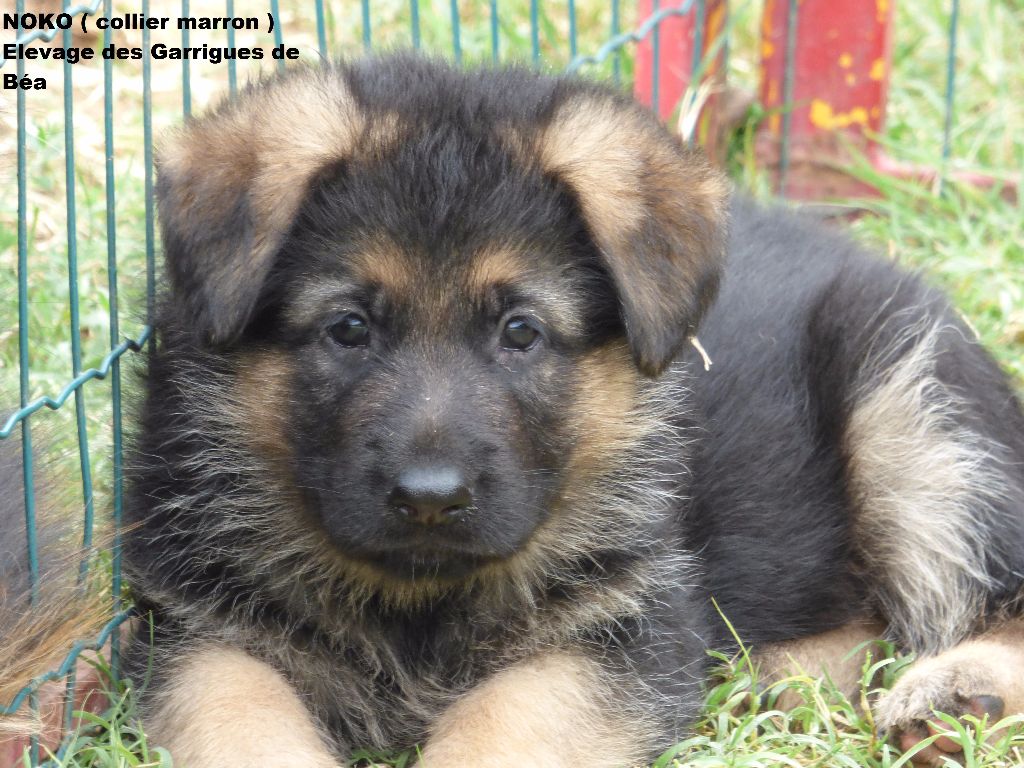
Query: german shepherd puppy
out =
(426, 457)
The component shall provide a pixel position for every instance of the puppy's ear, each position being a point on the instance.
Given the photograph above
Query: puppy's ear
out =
(230, 185)
(655, 208)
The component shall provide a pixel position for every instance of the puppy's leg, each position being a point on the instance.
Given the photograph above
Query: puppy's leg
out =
(936, 493)
(934, 448)
(983, 676)
(556, 710)
(222, 708)
(839, 654)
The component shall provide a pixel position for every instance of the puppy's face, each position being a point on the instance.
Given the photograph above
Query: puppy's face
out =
(439, 257)
(435, 347)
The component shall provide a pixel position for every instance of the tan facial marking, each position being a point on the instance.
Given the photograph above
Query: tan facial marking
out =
(492, 267)
(383, 264)
(606, 398)
(264, 397)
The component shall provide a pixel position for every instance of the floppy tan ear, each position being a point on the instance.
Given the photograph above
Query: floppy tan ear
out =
(655, 208)
(230, 184)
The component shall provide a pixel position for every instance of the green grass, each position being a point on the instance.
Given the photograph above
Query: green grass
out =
(742, 727)
(969, 241)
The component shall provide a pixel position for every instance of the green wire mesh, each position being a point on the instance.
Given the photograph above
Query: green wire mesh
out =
(481, 30)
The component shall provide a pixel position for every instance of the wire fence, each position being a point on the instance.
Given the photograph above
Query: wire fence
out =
(596, 37)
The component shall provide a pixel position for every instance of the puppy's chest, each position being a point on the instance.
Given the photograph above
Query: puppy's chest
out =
(382, 685)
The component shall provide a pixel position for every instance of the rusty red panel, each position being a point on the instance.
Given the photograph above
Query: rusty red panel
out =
(841, 64)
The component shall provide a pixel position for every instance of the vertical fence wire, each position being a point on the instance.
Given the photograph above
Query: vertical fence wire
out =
(456, 32)
(69, 700)
(615, 32)
(232, 64)
(698, 43)
(724, 32)
(147, 164)
(28, 476)
(275, 11)
(74, 331)
(414, 12)
(321, 29)
(655, 61)
(115, 333)
(696, 63)
(367, 30)
(31, 546)
(495, 54)
(535, 31)
(947, 128)
(186, 69)
(573, 46)
(788, 85)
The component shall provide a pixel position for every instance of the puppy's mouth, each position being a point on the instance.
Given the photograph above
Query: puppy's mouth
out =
(421, 564)
(431, 554)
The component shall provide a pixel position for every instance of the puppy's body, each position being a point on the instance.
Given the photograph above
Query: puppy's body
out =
(393, 283)
(826, 358)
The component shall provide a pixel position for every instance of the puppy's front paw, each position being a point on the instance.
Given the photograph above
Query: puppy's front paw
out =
(952, 683)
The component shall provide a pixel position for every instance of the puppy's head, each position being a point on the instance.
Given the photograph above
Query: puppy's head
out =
(468, 276)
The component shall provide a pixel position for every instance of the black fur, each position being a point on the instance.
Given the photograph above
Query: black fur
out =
(801, 312)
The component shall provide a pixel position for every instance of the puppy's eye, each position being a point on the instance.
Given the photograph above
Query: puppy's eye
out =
(351, 330)
(520, 334)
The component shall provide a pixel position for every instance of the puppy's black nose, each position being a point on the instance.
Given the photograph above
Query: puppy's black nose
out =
(430, 495)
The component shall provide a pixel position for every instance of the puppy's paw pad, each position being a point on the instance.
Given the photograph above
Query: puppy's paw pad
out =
(907, 713)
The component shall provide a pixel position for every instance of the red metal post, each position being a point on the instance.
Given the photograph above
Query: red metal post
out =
(829, 82)
(841, 62)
